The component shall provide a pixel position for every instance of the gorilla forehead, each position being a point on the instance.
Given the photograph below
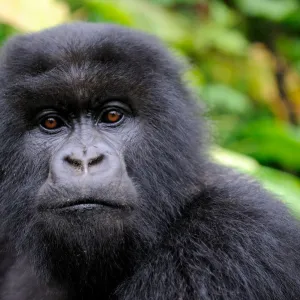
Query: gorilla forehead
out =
(82, 42)
(83, 61)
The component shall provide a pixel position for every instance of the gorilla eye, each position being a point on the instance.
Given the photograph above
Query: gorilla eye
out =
(111, 116)
(51, 123)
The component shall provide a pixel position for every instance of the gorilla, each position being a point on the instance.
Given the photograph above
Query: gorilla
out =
(106, 187)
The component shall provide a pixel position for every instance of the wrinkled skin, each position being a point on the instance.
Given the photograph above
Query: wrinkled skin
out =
(106, 191)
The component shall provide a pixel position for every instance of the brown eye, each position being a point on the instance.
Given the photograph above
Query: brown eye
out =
(111, 116)
(51, 123)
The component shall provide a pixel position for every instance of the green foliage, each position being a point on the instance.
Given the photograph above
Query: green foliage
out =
(271, 143)
(275, 10)
(132, 13)
(289, 47)
(213, 35)
(5, 32)
(292, 20)
(174, 2)
(224, 99)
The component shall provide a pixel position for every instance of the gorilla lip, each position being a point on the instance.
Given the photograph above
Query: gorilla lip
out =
(85, 204)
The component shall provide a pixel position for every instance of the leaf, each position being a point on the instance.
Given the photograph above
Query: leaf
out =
(222, 98)
(140, 14)
(5, 32)
(275, 10)
(225, 40)
(268, 141)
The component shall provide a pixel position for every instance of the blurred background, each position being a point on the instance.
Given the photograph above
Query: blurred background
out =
(244, 63)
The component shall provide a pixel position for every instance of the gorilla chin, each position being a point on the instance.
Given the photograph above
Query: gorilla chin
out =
(88, 212)
(87, 231)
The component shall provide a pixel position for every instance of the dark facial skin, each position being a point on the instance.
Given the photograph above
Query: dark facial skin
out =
(88, 162)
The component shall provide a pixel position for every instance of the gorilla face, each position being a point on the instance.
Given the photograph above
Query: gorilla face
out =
(95, 124)
(87, 193)
(87, 176)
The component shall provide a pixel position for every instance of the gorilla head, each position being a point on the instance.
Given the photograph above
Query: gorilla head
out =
(99, 147)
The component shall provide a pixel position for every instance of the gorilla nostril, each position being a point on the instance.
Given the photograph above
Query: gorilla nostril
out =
(75, 163)
(81, 166)
(95, 161)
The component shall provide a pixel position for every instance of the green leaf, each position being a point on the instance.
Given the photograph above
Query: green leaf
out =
(140, 14)
(275, 10)
(224, 99)
(212, 35)
(268, 141)
(222, 14)
(290, 47)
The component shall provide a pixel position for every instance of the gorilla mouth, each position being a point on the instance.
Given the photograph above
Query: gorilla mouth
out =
(86, 204)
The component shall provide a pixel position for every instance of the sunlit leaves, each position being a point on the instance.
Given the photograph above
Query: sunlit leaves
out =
(224, 99)
(32, 15)
(271, 9)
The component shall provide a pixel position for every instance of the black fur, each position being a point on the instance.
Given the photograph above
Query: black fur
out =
(195, 231)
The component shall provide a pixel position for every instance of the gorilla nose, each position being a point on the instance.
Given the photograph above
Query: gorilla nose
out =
(78, 167)
(84, 163)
